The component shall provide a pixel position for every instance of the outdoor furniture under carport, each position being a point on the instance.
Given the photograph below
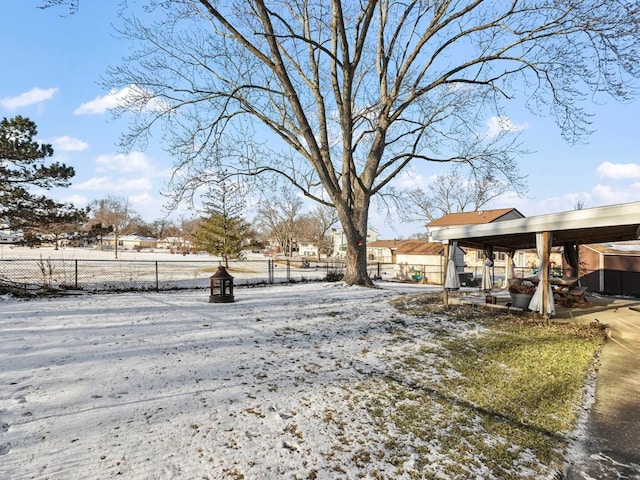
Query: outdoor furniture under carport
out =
(613, 223)
(570, 296)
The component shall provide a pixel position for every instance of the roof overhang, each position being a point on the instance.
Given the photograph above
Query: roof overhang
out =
(613, 223)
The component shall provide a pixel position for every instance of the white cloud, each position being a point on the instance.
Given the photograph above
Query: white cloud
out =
(498, 125)
(115, 185)
(102, 103)
(77, 200)
(95, 183)
(409, 178)
(131, 162)
(144, 198)
(32, 97)
(149, 207)
(134, 184)
(531, 206)
(460, 87)
(618, 171)
(69, 144)
(132, 95)
(608, 195)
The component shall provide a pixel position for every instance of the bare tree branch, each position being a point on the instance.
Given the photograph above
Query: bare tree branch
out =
(341, 97)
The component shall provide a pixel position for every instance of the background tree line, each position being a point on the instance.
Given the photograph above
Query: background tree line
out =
(222, 229)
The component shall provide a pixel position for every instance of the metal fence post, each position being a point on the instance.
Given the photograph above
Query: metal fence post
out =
(157, 281)
(288, 271)
(76, 274)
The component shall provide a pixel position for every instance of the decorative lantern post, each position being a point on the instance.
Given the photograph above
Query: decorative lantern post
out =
(221, 286)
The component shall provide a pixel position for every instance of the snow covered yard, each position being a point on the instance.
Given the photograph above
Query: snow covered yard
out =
(276, 385)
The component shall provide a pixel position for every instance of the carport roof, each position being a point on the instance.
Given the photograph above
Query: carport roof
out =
(612, 223)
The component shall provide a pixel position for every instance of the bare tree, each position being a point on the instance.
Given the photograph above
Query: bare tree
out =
(353, 92)
(188, 230)
(115, 212)
(72, 5)
(316, 225)
(277, 216)
(450, 193)
(163, 227)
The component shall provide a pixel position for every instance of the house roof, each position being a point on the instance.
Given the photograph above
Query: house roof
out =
(385, 244)
(613, 223)
(419, 247)
(472, 218)
(133, 237)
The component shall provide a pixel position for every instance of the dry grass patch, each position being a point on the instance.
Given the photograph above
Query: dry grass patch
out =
(490, 395)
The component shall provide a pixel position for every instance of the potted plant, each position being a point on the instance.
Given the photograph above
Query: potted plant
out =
(521, 293)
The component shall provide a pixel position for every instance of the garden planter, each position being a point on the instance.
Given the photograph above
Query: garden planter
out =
(520, 300)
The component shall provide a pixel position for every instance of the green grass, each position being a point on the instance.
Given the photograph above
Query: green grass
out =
(494, 403)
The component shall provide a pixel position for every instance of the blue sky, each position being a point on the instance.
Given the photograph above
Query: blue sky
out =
(51, 65)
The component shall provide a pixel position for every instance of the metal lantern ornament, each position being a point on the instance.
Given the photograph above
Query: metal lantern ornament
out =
(221, 286)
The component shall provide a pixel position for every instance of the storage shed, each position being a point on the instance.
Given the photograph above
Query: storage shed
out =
(611, 268)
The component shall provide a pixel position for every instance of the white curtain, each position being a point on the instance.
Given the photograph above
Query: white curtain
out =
(451, 279)
(536, 301)
(487, 283)
(511, 268)
(512, 264)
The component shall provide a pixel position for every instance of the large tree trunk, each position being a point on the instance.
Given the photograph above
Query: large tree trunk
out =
(356, 272)
(354, 224)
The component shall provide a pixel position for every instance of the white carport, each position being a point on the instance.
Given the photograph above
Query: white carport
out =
(612, 223)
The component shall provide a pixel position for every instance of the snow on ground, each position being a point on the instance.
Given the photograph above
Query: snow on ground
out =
(8, 251)
(167, 385)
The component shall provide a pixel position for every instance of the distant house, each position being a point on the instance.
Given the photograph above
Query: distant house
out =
(419, 260)
(340, 241)
(308, 249)
(424, 261)
(173, 243)
(130, 242)
(383, 251)
(474, 218)
(9, 238)
(474, 258)
(612, 268)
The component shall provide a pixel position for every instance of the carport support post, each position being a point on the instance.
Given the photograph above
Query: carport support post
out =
(544, 279)
(445, 293)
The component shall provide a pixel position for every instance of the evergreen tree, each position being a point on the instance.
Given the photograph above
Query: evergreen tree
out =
(223, 230)
(22, 166)
(58, 219)
(97, 231)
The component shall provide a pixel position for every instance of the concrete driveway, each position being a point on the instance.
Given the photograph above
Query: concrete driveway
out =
(607, 445)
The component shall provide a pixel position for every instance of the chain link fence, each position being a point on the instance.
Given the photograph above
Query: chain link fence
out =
(123, 275)
(129, 275)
